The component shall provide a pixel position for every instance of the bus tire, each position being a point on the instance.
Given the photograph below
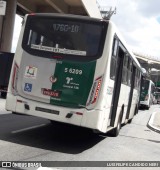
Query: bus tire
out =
(130, 120)
(136, 110)
(147, 108)
(116, 130)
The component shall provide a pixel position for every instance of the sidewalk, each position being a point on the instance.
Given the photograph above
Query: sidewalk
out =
(154, 122)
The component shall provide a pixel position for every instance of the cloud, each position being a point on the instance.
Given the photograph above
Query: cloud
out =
(149, 8)
(138, 22)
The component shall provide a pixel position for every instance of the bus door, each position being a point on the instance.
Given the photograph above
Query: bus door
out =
(132, 80)
(117, 84)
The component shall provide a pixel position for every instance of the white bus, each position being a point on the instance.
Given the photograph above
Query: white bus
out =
(147, 94)
(74, 69)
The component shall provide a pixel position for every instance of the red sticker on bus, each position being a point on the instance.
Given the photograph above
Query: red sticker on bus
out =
(51, 93)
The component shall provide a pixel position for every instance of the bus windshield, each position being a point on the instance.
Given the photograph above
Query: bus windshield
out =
(63, 36)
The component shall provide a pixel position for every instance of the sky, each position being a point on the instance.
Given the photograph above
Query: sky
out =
(139, 23)
(137, 20)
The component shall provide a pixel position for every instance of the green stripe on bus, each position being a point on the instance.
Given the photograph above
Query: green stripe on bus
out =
(74, 81)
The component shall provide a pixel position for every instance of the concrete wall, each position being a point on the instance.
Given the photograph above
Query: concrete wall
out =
(7, 26)
(91, 8)
(79, 7)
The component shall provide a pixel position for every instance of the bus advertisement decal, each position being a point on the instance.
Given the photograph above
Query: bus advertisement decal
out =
(74, 80)
(30, 72)
(51, 93)
(58, 50)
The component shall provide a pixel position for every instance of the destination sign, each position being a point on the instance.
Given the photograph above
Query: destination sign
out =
(66, 28)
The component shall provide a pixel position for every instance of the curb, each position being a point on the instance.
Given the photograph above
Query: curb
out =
(150, 123)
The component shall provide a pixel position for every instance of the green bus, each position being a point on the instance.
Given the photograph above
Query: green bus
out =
(147, 94)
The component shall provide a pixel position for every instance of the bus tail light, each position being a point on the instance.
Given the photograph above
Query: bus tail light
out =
(79, 113)
(14, 78)
(95, 90)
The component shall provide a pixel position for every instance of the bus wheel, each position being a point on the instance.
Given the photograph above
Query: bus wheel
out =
(130, 120)
(136, 110)
(115, 131)
(147, 107)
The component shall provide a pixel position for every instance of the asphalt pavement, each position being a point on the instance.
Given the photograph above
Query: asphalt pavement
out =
(27, 138)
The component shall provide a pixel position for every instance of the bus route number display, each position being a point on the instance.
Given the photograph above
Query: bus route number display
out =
(66, 28)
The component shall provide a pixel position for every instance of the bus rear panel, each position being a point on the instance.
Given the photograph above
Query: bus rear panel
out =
(75, 70)
(53, 74)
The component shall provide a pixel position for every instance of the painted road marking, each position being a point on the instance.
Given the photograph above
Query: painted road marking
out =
(29, 128)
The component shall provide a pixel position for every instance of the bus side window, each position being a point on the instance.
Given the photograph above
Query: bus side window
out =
(135, 82)
(115, 47)
(139, 79)
(152, 92)
(114, 59)
(153, 88)
(125, 71)
(129, 71)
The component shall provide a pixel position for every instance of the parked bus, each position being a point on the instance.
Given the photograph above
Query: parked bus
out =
(157, 97)
(76, 70)
(147, 94)
(157, 94)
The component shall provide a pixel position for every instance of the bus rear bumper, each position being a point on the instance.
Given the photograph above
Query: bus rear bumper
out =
(80, 117)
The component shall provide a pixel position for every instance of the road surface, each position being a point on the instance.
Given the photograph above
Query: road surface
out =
(27, 138)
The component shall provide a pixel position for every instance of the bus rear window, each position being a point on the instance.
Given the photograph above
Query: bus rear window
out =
(46, 36)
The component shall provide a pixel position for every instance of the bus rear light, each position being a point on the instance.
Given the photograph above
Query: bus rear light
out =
(19, 101)
(99, 81)
(14, 78)
(79, 113)
(95, 90)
